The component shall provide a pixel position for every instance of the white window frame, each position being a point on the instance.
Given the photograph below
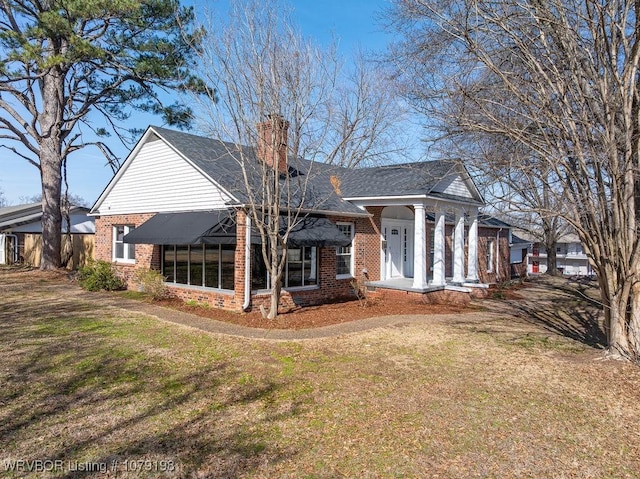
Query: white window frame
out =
(125, 249)
(351, 273)
(490, 255)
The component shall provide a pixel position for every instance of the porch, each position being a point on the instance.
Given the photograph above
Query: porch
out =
(407, 285)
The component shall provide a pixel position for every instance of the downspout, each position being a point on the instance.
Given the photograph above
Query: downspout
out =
(247, 264)
(498, 255)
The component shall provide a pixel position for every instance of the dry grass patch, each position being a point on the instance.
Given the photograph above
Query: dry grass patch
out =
(479, 395)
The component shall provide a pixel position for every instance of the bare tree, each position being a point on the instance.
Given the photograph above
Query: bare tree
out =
(563, 84)
(528, 197)
(3, 200)
(278, 95)
(366, 123)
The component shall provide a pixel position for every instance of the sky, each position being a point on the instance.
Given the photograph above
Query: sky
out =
(353, 22)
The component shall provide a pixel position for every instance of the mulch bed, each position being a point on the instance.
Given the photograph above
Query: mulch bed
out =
(321, 315)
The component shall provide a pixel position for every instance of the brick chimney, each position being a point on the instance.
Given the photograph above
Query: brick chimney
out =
(272, 142)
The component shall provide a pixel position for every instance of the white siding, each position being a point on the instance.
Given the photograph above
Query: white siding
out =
(160, 180)
(453, 185)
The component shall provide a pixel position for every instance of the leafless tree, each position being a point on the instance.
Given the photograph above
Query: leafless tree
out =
(274, 88)
(560, 79)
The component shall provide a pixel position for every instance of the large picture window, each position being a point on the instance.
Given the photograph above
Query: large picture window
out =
(211, 266)
(123, 251)
(344, 254)
(300, 270)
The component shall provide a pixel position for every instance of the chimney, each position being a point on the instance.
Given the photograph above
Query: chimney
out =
(272, 142)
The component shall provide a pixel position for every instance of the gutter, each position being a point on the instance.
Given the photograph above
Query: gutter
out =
(247, 264)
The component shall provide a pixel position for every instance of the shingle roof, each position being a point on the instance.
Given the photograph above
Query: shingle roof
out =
(392, 180)
(221, 161)
(14, 216)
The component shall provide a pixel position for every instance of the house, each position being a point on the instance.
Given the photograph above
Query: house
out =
(519, 253)
(177, 205)
(571, 259)
(21, 234)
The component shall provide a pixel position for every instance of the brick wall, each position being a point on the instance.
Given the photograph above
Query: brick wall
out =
(501, 243)
(148, 256)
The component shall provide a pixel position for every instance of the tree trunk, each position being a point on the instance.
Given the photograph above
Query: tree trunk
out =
(622, 323)
(50, 144)
(50, 172)
(275, 300)
(552, 259)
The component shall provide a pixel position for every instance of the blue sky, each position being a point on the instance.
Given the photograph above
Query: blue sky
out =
(353, 22)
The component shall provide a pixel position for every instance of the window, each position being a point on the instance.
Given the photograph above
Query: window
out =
(211, 266)
(123, 251)
(301, 268)
(345, 253)
(490, 245)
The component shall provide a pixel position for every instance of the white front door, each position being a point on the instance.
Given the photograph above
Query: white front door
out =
(398, 254)
(394, 248)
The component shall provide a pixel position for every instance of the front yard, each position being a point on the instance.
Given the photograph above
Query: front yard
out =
(88, 390)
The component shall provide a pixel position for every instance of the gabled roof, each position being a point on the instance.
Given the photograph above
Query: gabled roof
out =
(20, 214)
(25, 218)
(220, 162)
(419, 178)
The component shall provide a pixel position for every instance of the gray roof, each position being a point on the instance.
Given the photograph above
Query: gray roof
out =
(12, 217)
(317, 189)
(222, 161)
(393, 180)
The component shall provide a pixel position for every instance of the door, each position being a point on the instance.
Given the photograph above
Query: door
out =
(394, 252)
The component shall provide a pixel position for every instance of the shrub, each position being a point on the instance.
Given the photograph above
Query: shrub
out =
(151, 282)
(99, 275)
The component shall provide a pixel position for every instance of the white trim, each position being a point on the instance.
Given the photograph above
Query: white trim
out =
(136, 149)
(419, 246)
(351, 273)
(438, 266)
(491, 255)
(127, 228)
(293, 289)
(247, 263)
(458, 247)
(399, 224)
(393, 197)
(472, 258)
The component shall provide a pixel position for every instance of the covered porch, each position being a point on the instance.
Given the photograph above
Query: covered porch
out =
(416, 253)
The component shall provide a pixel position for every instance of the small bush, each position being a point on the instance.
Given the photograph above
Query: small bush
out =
(99, 275)
(151, 282)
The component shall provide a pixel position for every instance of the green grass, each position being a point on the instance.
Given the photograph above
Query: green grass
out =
(427, 400)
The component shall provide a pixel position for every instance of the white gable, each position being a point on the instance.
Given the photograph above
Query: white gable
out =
(157, 179)
(453, 185)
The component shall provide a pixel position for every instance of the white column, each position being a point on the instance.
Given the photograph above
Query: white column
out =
(458, 248)
(472, 266)
(438, 250)
(419, 247)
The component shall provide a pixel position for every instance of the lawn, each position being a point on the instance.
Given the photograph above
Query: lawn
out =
(85, 386)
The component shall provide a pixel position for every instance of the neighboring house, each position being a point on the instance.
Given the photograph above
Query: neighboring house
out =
(21, 234)
(519, 253)
(176, 205)
(571, 260)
